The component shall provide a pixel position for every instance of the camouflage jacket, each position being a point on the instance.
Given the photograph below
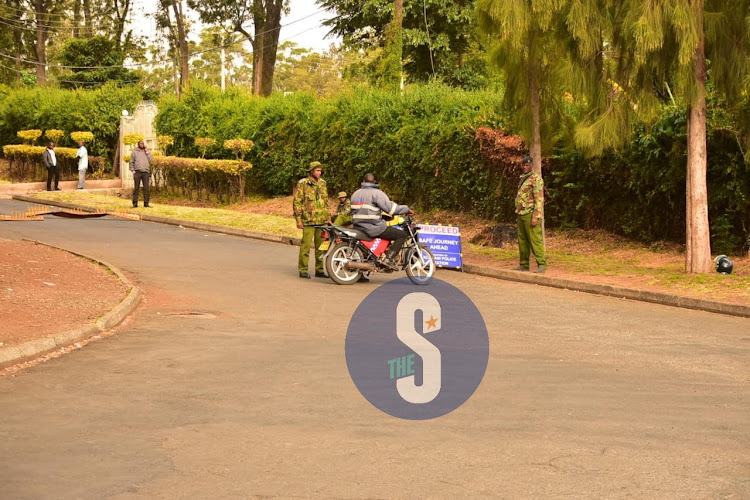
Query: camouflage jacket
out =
(530, 197)
(344, 208)
(310, 203)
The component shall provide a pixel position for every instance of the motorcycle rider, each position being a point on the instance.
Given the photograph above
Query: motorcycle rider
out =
(368, 203)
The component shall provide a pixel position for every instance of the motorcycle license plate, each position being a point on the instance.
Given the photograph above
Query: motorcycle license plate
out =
(324, 246)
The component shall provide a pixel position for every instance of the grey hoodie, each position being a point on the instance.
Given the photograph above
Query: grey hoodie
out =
(368, 203)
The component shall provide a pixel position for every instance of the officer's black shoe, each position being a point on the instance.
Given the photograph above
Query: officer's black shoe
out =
(363, 279)
(519, 268)
(304, 275)
(135, 205)
(320, 275)
(146, 205)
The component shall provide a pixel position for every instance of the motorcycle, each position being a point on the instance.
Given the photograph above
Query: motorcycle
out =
(351, 253)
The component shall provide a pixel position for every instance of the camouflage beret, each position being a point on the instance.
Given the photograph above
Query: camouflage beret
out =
(342, 194)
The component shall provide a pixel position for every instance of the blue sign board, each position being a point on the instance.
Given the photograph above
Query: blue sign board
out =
(445, 243)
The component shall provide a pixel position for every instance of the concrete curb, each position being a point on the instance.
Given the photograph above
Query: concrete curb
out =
(611, 291)
(491, 272)
(28, 350)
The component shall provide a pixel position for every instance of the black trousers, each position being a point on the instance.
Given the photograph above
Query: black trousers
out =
(53, 172)
(144, 177)
(398, 238)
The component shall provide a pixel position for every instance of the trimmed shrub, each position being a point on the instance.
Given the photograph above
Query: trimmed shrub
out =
(82, 137)
(132, 139)
(25, 163)
(29, 136)
(224, 179)
(54, 135)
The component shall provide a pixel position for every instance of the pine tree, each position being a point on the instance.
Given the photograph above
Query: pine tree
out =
(528, 38)
(654, 46)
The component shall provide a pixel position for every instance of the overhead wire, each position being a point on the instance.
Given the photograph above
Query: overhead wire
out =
(52, 78)
(148, 63)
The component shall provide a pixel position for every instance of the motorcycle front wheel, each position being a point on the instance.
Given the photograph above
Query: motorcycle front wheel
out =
(339, 255)
(420, 264)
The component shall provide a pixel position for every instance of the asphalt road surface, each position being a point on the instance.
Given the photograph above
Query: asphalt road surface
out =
(584, 396)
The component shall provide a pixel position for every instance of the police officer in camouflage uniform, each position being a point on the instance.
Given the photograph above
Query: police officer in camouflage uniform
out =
(343, 215)
(530, 211)
(310, 207)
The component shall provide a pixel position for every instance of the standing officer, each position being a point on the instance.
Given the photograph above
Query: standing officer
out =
(50, 163)
(310, 208)
(530, 210)
(343, 215)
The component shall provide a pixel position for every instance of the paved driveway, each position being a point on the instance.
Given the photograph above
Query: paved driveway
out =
(584, 396)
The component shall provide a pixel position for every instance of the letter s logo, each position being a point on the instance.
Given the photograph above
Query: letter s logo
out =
(430, 354)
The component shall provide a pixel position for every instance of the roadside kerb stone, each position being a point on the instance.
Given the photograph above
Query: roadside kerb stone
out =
(490, 272)
(34, 348)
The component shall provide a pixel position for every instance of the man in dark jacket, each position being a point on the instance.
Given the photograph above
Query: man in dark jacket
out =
(140, 165)
(53, 168)
(368, 203)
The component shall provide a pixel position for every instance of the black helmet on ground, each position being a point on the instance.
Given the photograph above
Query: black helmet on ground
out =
(723, 264)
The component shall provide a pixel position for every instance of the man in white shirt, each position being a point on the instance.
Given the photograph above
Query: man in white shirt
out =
(50, 163)
(83, 164)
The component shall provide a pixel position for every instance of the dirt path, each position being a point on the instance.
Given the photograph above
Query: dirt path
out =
(44, 291)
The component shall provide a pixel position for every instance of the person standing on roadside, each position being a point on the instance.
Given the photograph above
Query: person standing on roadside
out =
(530, 211)
(140, 165)
(310, 207)
(50, 163)
(83, 163)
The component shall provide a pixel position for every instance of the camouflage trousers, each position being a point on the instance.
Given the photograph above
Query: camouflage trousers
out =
(530, 239)
(310, 235)
(343, 220)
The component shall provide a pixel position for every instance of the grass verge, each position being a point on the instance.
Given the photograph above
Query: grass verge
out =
(591, 256)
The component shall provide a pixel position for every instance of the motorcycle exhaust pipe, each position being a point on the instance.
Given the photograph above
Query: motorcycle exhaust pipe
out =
(360, 266)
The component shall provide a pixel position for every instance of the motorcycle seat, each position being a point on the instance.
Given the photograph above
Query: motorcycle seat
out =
(360, 235)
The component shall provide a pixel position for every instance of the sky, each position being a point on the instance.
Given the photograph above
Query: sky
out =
(302, 25)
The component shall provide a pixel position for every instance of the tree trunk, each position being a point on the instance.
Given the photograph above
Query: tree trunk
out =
(77, 19)
(271, 41)
(697, 233)
(182, 44)
(536, 134)
(88, 22)
(121, 16)
(40, 9)
(18, 39)
(267, 23)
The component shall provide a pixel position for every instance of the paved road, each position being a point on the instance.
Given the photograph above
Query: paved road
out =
(598, 397)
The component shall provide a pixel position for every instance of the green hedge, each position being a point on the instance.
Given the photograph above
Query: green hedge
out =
(423, 147)
(46, 108)
(420, 145)
(25, 163)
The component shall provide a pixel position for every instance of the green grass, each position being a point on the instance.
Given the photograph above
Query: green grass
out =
(245, 220)
(598, 257)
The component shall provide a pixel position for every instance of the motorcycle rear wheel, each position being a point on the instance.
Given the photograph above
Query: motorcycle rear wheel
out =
(420, 270)
(340, 254)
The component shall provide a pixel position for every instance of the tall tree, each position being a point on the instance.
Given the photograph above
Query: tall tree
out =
(95, 61)
(177, 30)
(655, 46)
(527, 36)
(438, 36)
(265, 16)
